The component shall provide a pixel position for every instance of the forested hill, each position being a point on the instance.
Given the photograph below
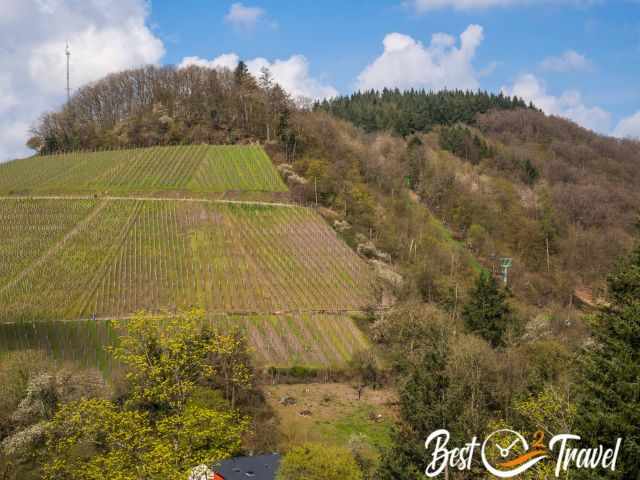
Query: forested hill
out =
(504, 178)
(153, 106)
(410, 111)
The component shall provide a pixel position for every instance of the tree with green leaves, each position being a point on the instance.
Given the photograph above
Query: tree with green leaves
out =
(319, 462)
(423, 398)
(423, 405)
(95, 439)
(487, 313)
(424, 408)
(164, 425)
(167, 357)
(609, 383)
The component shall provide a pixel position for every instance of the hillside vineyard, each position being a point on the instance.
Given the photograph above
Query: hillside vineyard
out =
(276, 270)
(127, 255)
(195, 169)
(303, 339)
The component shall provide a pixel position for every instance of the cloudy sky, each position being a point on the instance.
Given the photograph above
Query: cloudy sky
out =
(575, 58)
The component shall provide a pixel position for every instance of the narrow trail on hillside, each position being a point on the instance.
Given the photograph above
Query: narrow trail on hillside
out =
(152, 199)
(55, 248)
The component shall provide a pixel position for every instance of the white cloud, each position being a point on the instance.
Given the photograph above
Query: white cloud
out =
(628, 127)
(407, 63)
(7, 99)
(227, 60)
(569, 105)
(567, 62)
(13, 134)
(489, 69)
(422, 6)
(292, 74)
(33, 34)
(425, 5)
(244, 16)
(95, 52)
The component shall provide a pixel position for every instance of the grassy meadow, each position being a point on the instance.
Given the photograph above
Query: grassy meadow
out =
(336, 416)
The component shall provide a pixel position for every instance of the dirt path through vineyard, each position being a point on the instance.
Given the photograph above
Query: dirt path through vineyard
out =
(152, 199)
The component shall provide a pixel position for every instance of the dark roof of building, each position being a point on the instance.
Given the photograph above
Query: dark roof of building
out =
(259, 467)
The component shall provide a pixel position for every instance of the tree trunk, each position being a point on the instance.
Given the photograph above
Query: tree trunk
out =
(546, 239)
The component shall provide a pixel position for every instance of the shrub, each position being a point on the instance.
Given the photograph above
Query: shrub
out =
(318, 462)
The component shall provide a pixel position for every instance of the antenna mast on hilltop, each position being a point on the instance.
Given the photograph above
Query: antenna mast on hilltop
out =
(68, 54)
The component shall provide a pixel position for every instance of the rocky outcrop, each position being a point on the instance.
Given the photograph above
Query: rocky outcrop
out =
(389, 282)
(385, 273)
(328, 214)
(341, 225)
(368, 250)
(290, 176)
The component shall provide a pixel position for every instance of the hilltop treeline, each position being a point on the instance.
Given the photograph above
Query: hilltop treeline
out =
(166, 106)
(410, 111)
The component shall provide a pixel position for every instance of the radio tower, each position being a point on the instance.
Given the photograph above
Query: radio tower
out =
(68, 54)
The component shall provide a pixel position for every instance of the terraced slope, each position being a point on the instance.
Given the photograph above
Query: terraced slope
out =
(134, 254)
(195, 169)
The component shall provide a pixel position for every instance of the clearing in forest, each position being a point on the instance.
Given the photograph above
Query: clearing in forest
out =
(332, 413)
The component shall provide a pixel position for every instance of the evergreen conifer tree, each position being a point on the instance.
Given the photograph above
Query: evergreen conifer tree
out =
(424, 408)
(241, 73)
(487, 313)
(609, 389)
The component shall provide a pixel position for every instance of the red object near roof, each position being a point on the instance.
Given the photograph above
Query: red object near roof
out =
(216, 476)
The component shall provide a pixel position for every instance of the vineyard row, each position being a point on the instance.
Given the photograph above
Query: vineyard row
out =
(151, 255)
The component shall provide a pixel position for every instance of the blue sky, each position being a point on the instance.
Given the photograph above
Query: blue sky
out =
(341, 38)
(575, 58)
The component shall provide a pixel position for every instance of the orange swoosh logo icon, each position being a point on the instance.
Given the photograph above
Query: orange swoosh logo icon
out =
(522, 459)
